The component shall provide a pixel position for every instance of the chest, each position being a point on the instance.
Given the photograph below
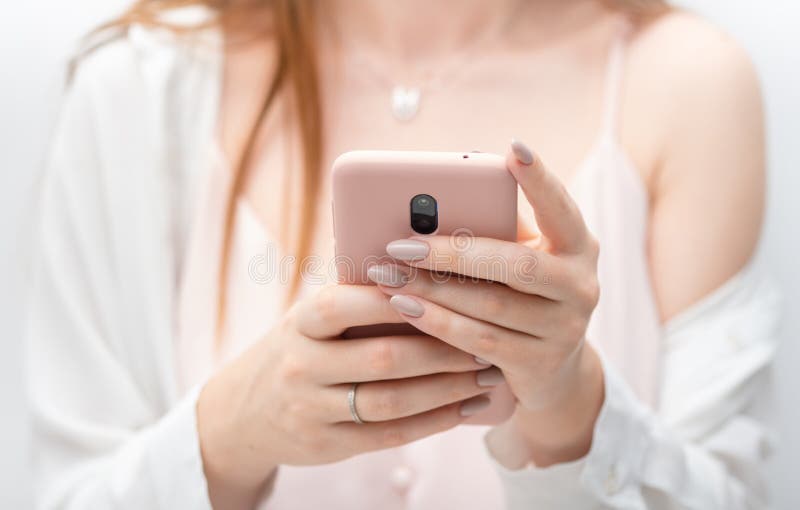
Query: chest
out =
(556, 105)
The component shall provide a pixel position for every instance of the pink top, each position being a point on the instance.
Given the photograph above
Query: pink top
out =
(452, 469)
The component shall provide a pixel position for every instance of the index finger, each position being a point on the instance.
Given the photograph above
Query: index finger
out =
(557, 214)
(335, 308)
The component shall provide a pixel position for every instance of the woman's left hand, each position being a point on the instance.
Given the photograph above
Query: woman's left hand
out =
(523, 307)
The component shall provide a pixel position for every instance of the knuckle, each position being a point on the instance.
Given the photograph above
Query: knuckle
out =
(441, 324)
(299, 411)
(446, 418)
(326, 304)
(463, 387)
(293, 324)
(381, 358)
(586, 293)
(295, 421)
(446, 358)
(575, 328)
(593, 245)
(387, 404)
(293, 369)
(590, 293)
(393, 436)
(525, 265)
(493, 303)
(458, 391)
(487, 343)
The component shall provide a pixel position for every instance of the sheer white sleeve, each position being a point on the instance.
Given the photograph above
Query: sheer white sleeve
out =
(109, 429)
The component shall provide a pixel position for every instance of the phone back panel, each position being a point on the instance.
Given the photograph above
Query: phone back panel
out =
(372, 192)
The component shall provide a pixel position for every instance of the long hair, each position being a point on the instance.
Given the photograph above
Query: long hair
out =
(292, 27)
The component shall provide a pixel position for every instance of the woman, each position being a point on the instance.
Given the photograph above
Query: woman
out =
(166, 373)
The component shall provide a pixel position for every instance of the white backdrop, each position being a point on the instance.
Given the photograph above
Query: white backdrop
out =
(35, 38)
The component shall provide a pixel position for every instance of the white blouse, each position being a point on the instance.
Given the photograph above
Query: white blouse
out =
(112, 427)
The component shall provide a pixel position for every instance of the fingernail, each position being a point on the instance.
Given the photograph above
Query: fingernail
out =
(481, 361)
(522, 152)
(490, 377)
(386, 274)
(474, 405)
(407, 249)
(407, 306)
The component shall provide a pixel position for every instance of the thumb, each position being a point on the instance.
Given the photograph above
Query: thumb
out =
(557, 214)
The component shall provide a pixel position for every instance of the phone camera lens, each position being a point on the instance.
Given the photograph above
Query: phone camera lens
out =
(424, 214)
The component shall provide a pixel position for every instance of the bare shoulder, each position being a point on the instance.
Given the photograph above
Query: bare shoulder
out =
(687, 51)
(684, 39)
(685, 75)
(693, 111)
(688, 58)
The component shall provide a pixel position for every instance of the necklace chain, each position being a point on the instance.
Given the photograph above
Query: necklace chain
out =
(405, 99)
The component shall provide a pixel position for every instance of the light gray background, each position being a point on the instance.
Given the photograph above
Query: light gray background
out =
(36, 36)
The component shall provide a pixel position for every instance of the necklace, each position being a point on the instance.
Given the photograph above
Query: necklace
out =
(405, 99)
(405, 102)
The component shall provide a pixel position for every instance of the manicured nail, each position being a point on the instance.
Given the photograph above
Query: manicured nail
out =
(387, 274)
(474, 405)
(522, 152)
(481, 361)
(490, 377)
(407, 306)
(407, 249)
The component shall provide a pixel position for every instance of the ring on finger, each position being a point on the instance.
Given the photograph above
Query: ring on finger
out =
(351, 403)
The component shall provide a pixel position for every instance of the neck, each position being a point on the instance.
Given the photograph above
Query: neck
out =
(419, 30)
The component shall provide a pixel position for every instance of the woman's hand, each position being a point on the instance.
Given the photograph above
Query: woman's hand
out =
(524, 307)
(284, 401)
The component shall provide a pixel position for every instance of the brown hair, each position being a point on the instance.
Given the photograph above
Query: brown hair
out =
(291, 24)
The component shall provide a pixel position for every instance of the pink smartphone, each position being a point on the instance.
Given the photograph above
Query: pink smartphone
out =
(381, 196)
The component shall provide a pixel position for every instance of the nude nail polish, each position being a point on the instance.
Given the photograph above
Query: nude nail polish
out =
(407, 249)
(474, 405)
(521, 152)
(490, 377)
(407, 306)
(388, 275)
(481, 361)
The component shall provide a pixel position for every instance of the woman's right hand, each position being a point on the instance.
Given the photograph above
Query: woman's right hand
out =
(284, 400)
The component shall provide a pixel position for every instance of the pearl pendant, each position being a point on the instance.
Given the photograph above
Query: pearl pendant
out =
(405, 102)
